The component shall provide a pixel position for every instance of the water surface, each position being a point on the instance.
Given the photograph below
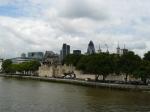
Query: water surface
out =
(35, 96)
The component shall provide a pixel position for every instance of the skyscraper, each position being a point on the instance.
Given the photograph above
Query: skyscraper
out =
(65, 51)
(91, 48)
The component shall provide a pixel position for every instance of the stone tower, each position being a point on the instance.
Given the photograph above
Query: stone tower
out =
(118, 49)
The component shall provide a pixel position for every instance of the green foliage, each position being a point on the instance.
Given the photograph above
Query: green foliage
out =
(143, 71)
(147, 56)
(99, 64)
(128, 62)
(34, 65)
(6, 66)
(105, 64)
(72, 59)
(22, 68)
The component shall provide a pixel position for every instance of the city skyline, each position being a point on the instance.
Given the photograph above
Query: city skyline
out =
(35, 25)
(90, 50)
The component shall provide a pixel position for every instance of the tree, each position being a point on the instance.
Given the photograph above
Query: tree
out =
(116, 66)
(6, 66)
(143, 71)
(72, 59)
(29, 67)
(23, 68)
(105, 65)
(128, 63)
(14, 68)
(98, 64)
(82, 64)
(147, 56)
(34, 65)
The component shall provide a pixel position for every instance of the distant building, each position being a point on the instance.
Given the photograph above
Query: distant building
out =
(99, 50)
(65, 51)
(23, 55)
(121, 51)
(77, 52)
(50, 58)
(118, 50)
(91, 48)
(18, 60)
(36, 55)
(124, 51)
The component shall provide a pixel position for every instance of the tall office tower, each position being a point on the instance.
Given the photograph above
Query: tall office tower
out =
(65, 51)
(68, 49)
(91, 48)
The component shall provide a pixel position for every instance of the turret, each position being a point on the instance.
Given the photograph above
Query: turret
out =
(118, 49)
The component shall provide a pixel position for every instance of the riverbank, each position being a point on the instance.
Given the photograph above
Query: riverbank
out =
(84, 83)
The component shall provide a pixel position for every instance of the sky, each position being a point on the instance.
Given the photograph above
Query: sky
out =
(40, 25)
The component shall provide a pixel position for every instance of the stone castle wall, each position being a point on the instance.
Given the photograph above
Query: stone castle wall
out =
(54, 71)
(59, 70)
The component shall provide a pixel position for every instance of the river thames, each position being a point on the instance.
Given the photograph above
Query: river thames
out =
(36, 96)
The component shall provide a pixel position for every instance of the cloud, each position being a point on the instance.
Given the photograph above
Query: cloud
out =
(41, 26)
(82, 9)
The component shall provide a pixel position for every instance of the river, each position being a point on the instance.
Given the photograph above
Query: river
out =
(36, 96)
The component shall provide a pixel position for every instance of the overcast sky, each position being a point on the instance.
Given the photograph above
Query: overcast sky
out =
(40, 25)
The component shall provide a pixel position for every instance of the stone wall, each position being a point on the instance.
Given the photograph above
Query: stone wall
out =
(54, 71)
(59, 70)
(80, 75)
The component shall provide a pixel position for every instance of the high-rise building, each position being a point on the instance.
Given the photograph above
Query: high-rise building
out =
(77, 52)
(65, 51)
(68, 49)
(91, 48)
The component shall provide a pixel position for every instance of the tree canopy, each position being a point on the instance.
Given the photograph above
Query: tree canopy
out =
(23, 68)
(106, 64)
(128, 63)
(147, 56)
(6, 66)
